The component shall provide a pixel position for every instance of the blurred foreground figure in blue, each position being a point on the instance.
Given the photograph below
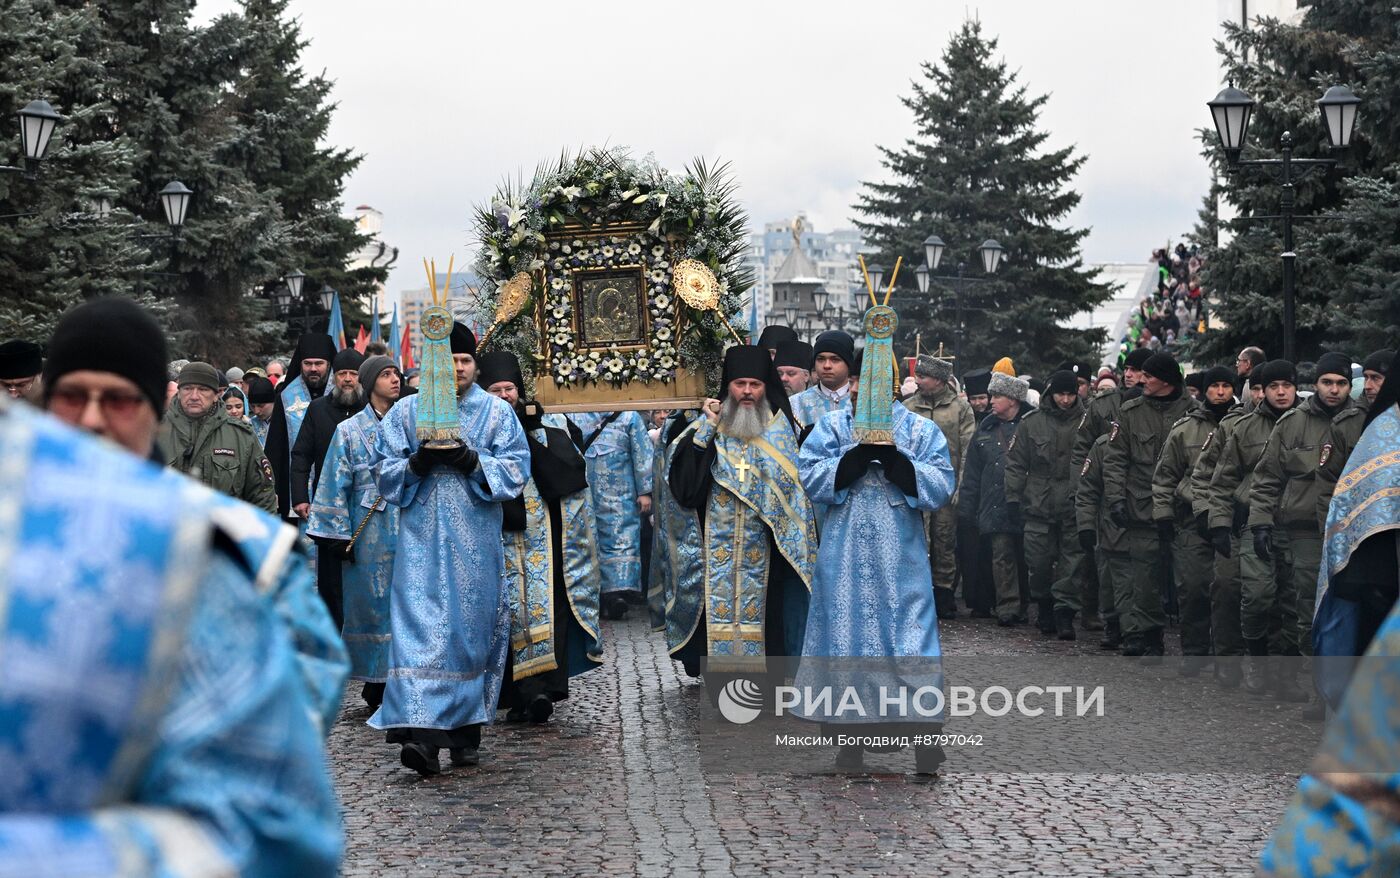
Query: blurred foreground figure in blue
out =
(154, 716)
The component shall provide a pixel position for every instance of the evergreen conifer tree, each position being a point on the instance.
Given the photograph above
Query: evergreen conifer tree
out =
(976, 169)
(1348, 238)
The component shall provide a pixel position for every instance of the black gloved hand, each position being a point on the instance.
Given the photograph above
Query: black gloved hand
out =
(1220, 540)
(513, 514)
(421, 462)
(1166, 531)
(1264, 542)
(1118, 512)
(463, 460)
(853, 465)
(1088, 540)
(899, 469)
(1203, 525)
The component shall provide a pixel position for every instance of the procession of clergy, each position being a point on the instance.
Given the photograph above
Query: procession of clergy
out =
(170, 672)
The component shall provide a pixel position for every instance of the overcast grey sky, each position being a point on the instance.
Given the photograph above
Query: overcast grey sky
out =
(446, 98)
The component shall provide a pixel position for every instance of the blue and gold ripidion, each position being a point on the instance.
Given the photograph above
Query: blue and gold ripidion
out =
(438, 424)
(879, 373)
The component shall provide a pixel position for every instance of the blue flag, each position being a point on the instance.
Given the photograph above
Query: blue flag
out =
(394, 335)
(335, 326)
(374, 328)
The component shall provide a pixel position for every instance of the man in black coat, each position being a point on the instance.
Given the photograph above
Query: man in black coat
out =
(305, 381)
(345, 400)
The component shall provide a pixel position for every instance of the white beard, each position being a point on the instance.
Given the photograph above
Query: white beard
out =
(742, 421)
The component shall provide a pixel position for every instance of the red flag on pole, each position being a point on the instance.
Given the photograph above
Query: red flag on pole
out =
(361, 339)
(406, 347)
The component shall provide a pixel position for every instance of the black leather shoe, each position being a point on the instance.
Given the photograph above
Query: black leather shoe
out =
(421, 758)
(1064, 623)
(541, 708)
(850, 758)
(927, 759)
(464, 757)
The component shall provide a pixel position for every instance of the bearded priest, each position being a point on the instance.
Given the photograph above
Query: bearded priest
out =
(875, 472)
(737, 468)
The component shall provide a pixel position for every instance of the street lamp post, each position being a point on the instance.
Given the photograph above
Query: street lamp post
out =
(37, 122)
(990, 252)
(1231, 111)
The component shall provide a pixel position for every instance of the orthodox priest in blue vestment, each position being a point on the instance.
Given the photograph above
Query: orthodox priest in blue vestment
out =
(736, 467)
(354, 525)
(876, 472)
(307, 379)
(1357, 580)
(619, 455)
(449, 612)
(154, 718)
(551, 559)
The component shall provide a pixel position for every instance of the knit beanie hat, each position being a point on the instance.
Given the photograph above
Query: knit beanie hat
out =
(110, 334)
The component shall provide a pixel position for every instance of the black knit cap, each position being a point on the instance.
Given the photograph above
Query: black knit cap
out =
(834, 341)
(773, 337)
(794, 353)
(1194, 379)
(497, 366)
(110, 334)
(463, 340)
(1333, 363)
(1217, 375)
(1378, 362)
(975, 383)
(20, 359)
(1275, 370)
(347, 359)
(1063, 381)
(1137, 359)
(260, 391)
(1163, 367)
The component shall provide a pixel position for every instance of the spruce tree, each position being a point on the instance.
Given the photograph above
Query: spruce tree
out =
(55, 250)
(1347, 278)
(976, 168)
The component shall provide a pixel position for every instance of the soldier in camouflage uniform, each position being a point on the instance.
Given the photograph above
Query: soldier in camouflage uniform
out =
(1283, 499)
(1134, 445)
(1038, 481)
(1268, 620)
(937, 401)
(1172, 510)
(1101, 539)
(1346, 430)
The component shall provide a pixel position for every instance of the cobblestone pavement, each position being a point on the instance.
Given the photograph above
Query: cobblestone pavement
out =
(612, 785)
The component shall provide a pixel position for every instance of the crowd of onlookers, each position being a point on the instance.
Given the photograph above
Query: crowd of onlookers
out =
(1175, 311)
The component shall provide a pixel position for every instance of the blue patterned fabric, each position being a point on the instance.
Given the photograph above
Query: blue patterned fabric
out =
(345, 497)
(153, 717)
(449, 611)
(809, 405)
(873, 594)
(678, 570)
(757, 491)
(1344, 818)
(529, 571)
(619, 471)
(296, 398)
(259, 428)
(283, 577)
(1366, 502)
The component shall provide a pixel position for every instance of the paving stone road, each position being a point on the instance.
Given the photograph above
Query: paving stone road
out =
(612, 785)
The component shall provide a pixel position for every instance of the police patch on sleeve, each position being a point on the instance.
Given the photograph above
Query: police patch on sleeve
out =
(1326, 453)
(1113, 433)
(1206, 444)
(267, 469)
(1084, 469)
